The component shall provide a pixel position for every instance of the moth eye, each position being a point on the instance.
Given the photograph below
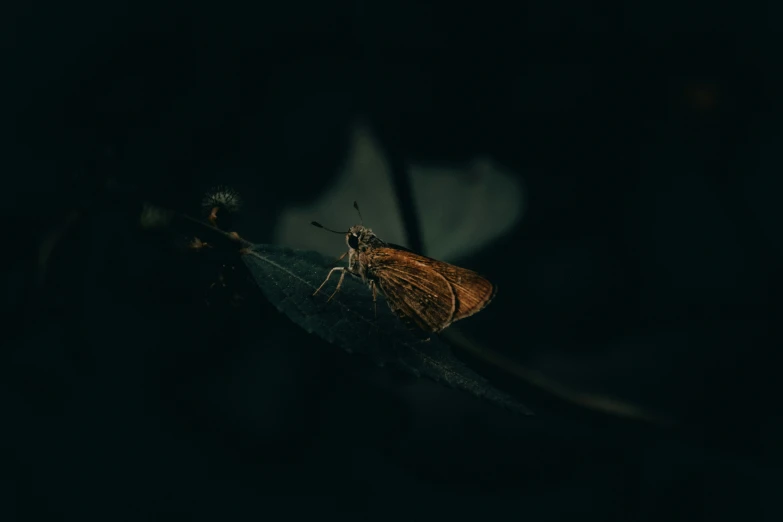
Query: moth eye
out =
(353, 241)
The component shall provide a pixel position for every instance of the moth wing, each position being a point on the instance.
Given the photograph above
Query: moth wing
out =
(413, 289)
(471, 291)
(400, 247)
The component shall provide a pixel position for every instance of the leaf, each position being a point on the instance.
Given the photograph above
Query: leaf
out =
(288, 279)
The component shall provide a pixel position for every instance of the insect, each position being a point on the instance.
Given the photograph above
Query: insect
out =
(427, 292)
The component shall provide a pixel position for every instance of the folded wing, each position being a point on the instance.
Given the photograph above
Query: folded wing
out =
(414, 290)
(471, 291)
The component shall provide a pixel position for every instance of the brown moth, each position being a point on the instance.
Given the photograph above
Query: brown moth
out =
(430, 293)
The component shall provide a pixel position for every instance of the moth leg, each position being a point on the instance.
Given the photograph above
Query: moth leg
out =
(374, 302)
(339, 284)
(340, 268)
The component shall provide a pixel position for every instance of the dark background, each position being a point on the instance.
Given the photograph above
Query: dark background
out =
(646, 266)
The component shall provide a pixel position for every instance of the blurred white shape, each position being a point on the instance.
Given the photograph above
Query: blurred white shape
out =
(365, 178)
(461, 209)
(464, 209)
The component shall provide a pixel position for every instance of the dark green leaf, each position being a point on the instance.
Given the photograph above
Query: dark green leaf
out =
(288, 279)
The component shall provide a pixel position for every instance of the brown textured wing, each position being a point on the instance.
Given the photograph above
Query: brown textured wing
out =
(471, 291)
(413, 289)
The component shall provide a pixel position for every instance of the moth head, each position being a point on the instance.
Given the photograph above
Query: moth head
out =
(356, 235)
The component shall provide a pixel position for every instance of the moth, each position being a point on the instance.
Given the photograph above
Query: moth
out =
(426, 292)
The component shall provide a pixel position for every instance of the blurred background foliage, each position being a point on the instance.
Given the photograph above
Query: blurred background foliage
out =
(627, 207)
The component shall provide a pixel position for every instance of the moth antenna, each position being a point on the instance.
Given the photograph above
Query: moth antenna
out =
(356, 206)
(317, 224)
